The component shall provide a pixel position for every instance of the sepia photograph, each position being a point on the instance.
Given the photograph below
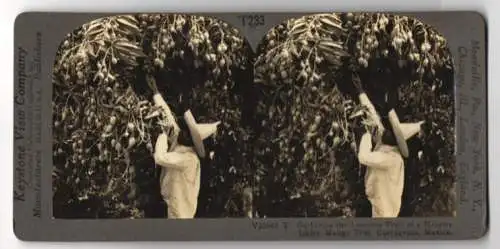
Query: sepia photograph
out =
(176, 116)
(357, 118)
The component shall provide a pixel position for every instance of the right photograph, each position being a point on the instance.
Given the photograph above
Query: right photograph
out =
(356, 118)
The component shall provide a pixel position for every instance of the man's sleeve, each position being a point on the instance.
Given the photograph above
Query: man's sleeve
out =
(172, 160)
(175, 160)
(374, 159)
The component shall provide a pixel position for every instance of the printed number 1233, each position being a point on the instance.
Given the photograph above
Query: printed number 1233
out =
(252, 21)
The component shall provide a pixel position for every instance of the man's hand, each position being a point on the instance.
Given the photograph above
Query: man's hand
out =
(170, 120)
(372, 113)
(152, 84)
(356, 81)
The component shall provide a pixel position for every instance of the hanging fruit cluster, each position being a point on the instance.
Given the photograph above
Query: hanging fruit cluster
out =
(401, 43)
(314, 42)
(98, 118)
(102, 48)
(203, 41)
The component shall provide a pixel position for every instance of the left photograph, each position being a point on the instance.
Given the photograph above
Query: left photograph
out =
(149, 119)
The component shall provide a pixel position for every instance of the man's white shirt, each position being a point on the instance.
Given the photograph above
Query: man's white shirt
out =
(384, 179)
(179, 179)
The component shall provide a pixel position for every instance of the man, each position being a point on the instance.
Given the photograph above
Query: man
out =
(180, 175)
(384, 179)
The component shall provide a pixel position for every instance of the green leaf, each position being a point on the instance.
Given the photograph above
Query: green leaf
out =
(330, 43)
(356, 114)
(94, 32)
(91, 50)
(334, 17)
(127, 58)
(123, 32)
(336, 51)
(298, 28)
(131, 19)
(328, 22)
(127, 24)
(93, 26)
(126, 44)
(129, 49)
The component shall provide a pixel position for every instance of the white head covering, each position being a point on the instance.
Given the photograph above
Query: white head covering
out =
(403, 131)
(199, 132)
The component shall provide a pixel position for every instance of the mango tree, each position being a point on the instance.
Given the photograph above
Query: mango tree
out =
(105, 123)
(308, 108)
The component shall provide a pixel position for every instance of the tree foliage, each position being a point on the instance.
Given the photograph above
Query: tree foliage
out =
(105, 123)
(309, 107)
(290, 117)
